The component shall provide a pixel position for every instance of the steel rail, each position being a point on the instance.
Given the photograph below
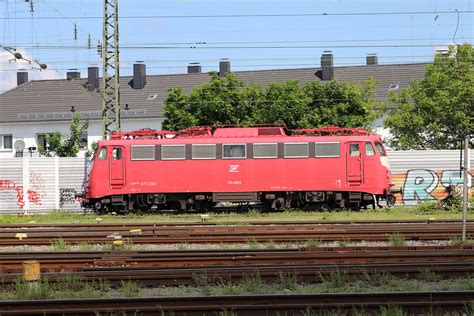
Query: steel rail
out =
(232, 234)
(175, 276)
(246, 304)
(69, 261)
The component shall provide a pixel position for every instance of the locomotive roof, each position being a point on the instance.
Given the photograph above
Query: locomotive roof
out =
(222, 134)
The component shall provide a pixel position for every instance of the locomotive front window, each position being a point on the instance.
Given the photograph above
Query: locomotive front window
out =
(380, 149)
(324, 150)
(204, 151)
(233, 151)
(296, 150)
(369, 150)
(265, 150)
(354, 150)
(102, 154)
(173, 152)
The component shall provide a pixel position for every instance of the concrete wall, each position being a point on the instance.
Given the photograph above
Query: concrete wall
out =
(28, 132)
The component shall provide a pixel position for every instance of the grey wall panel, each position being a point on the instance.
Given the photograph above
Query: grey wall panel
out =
(11, 183)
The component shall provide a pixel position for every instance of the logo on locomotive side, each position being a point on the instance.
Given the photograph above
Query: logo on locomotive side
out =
(234, 168)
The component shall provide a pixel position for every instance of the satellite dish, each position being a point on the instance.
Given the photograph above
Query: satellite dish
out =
(19, 145)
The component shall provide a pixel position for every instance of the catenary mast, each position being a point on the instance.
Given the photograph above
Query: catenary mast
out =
(110, 70)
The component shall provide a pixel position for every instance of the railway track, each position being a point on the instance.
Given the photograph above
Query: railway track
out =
(70, 261)
(166, 233)
(371, 303)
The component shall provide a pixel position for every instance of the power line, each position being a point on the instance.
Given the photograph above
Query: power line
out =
(210, 16)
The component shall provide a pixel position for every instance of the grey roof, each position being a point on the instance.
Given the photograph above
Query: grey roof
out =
(51, 100)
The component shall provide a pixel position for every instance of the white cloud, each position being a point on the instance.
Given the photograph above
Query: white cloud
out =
(9, 67)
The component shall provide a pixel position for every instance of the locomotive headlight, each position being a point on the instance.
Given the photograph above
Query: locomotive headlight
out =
(384, 161)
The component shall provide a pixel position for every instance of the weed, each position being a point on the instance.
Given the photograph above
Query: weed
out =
(392, 311)
(253, 212)
(85, 246)
(429, 276)
(34, 291)
(103, 285)
(182, 245)
(203, 283)
(270, 245)
(287, 281)
(396, 240)
(343, 243)
(60, 244)
(253, 284)
(69, 282)
(427, 206)
(253, 244)
(129, 288)
(225, 312)
(312, 243)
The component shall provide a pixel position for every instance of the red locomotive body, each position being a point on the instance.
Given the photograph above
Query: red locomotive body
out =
(200, 167)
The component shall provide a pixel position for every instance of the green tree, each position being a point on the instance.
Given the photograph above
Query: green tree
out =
(231, 101)
(436, 112)
(63, 145)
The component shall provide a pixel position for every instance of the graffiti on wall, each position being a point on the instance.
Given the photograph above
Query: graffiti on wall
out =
(425, 185)
(67, 196)
(33, 195)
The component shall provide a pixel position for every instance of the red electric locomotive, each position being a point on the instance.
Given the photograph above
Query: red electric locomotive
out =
(198, 168)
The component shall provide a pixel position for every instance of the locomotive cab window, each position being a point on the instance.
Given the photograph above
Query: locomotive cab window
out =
(354, 150)
(173, 152)
(326, 150)
(204, 151)
(265, 150)
(296, 150)
(234, 151)
(117, 154)
(369, 150)
(380, 149)
(143, 152)
(102, 154)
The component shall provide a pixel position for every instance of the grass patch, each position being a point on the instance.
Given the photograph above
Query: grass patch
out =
(129, 288)
(312, 243)
(59, 244)
(396, 240)
(423, 211)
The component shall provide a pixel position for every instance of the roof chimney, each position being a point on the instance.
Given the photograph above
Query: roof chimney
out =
(73, 74)
(139, 76)
(327, 65)
(224, 67)
(93, 77)
(372, 59)
(21, 77)
(194, 68)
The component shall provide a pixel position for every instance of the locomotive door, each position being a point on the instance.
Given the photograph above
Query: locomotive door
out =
(117, 167)
(354, 164)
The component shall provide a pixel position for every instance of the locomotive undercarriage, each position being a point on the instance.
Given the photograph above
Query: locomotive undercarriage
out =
(308, 200)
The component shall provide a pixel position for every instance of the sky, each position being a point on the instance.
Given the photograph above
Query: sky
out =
(253, 34)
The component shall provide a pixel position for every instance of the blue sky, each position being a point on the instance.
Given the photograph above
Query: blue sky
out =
(396, 38)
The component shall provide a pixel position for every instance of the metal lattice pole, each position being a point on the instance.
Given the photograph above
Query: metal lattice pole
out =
(110, 70)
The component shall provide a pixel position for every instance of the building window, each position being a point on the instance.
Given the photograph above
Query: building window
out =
(204, 151)
(41, 140)
(324, 150)
(173, 152)
(296, 150)
(6, 142)
(234, 151)
(265, 150)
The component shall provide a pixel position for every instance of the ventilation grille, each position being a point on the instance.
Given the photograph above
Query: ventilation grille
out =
(265, 151)
(296, 150)
(327, 149)
(204, 151)
(173, 152)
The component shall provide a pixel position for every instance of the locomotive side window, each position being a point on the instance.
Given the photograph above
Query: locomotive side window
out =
(117, 153)
(173, 152)
(354, 150)
(205, 151)
(296, 150)
(233, 151)
(327, 149)
(143, 152)
(369, 150)
(380, 149)
(102, 154)
(265, 150)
